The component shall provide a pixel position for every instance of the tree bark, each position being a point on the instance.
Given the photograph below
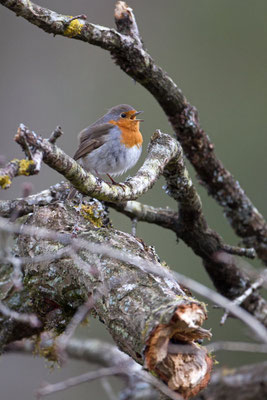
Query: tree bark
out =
(143, 312)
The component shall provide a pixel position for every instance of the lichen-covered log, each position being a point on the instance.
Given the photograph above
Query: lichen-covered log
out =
(143, 312)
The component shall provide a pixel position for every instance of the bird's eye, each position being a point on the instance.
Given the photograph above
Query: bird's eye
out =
(123, 115)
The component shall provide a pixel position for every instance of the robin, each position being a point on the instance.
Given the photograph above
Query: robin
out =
(112, 144)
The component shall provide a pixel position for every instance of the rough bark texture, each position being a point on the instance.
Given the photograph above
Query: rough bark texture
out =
(245, 383)
(165, 155)
(141, 311)
(126, 48)
(161, 150)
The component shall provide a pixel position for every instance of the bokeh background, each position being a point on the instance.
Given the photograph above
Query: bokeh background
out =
(215, 51)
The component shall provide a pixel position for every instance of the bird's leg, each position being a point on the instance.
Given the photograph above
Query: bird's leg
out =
(112, 180)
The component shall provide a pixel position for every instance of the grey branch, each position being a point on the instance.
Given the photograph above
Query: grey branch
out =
(142, 310)
(125, 46)
(239, 300)
(108, 356)
(161, 150)
(148, 266)
(30, 319)
(31, 166)
(165, 156)
(221, 387)
(24, 206)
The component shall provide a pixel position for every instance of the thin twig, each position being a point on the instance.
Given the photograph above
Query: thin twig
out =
(239, 300)
(134, 226)
(49, 389)
(237, 346)
(55, 135)
(30, 319)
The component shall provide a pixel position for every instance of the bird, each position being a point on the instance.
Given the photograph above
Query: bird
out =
(112, 144)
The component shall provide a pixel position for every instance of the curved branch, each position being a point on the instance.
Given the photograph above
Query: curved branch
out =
(66, 25)
(165, 156)
(161, 150)
(125, 46)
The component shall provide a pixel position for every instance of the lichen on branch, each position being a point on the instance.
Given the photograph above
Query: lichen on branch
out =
(138, 308)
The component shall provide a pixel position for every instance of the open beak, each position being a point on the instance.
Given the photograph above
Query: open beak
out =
(135, 114)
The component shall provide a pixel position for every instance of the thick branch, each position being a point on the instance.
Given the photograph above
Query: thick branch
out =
(142, 311)
(191, 226)
(129, 54)
(165, 155)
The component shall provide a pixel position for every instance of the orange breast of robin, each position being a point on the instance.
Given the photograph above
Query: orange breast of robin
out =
(130, 134)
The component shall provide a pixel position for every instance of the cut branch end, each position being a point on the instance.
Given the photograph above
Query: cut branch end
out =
(174, 356)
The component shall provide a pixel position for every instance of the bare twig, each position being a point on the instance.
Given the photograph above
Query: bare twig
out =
(55, 135)
(240, 251)
(237, 346)
(108, 389)
(49, 389)
(134, 226)
(127, 51)
(163, 217)
(94, 351)
(30, 319)
(126, 23)
(239, 300)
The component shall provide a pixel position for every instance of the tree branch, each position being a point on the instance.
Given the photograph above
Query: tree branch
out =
(165, 156)
(161, 150)
(130, 55)
(141, 310)
(248, 382)
(224, 384)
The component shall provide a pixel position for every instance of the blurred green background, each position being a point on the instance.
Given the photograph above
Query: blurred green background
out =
(215, 51)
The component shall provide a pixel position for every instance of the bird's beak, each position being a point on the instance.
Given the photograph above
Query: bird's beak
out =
(137, 113)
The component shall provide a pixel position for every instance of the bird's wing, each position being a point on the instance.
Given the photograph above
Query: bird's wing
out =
(91, 138)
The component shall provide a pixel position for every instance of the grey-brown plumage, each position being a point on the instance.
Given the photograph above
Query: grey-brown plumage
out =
(101, 150)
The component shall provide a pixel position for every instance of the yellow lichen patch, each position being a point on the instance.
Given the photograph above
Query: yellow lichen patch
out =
(24, 167)
(5, 181)
(48, 352)
(92, 214)
(74, 28)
